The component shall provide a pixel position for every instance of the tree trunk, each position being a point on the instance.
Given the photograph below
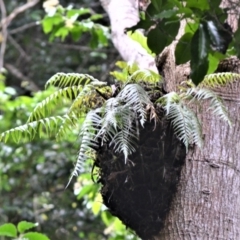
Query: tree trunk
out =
(207, 202)
(163, 193)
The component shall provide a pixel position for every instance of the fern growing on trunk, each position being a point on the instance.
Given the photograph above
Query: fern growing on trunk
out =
(116, 120)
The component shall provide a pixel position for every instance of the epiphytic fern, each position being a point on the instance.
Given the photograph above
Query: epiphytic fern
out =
(185, 123)
(216, 104)
(116, 120)
(219, 79)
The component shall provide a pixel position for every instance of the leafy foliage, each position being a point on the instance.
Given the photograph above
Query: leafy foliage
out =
(206, 33)
(10, 230)
(132, 73)
(61, 22)
(115, 120)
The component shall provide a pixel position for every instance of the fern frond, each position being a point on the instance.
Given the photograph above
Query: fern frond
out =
(126, 135)
(29, 130)
(145, 75)
(167, 100)
(87, 134)
(219, 79)
(181, 121)
(70, 79)
(69, 121)
(216, 103)
(136, 97)
(44, 108)
(109, 120)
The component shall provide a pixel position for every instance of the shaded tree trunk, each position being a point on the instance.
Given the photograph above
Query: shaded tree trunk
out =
(165, 194)
(207, 202)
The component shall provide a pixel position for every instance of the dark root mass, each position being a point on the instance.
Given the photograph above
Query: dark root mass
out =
(140, 192)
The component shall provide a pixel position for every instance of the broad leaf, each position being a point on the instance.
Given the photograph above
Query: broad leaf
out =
(162, 35)
(182, 52)
(199, 71)
(157, 4)
(35, 236)
(24, 225)
(199, 53)
(8, 230)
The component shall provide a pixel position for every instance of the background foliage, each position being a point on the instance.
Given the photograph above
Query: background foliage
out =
(33, 175)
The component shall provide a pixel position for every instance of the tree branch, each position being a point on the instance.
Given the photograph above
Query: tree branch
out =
(4, 34)
(28, 83)
(123, 14)
(7, 20)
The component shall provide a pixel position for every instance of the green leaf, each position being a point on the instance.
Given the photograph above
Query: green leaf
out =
(201, 42)
(162, 35)
(8, 230)
(198, 72)
(182, 52)
(214, 59)
(35, 236)
(215, 4)
(141, 39)
(156, 40)
(166, 14)
(49, 22)
(199, 55)
(157, 4)
(151, 10)
(24, 225)
(62, 32)
(200, 5)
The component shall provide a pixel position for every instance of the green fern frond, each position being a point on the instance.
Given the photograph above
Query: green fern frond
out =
(216, 103)
(29, 131)
(145, 75)
(44, 108)
(69, 121)
(136, 97)
(219, 79)
(70, 79)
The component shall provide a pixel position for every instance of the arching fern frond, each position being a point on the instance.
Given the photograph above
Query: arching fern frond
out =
(126, 137)
(167, 100)
(28, 131)
(145, 75)
(185, 122)
(44, 108)
(69, 122)
(89, 142)
(136, 97)
(219, 79)
(216, 103)
(70, 79)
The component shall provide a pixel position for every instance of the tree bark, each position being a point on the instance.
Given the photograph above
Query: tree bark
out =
(206, 202)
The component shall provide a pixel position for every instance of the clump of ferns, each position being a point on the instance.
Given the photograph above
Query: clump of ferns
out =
(116, 121)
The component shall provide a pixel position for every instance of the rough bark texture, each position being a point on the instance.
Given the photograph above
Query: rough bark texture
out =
(160, 193)
(207, 202)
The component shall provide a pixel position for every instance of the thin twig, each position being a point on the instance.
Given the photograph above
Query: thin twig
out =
(82, 48)
(25, 80)
(18, 47)
(24, 27)
(7, 20)
(4, 34)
